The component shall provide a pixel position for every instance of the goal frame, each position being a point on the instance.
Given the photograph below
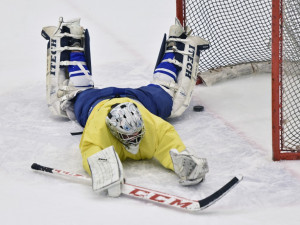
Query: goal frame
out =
(277, 31)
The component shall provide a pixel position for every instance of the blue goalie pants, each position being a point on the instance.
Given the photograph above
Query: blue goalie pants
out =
(152, 97)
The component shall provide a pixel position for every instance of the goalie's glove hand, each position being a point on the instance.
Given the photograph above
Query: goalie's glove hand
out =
(190, 169)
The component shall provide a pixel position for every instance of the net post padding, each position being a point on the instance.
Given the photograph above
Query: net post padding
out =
(214, 76)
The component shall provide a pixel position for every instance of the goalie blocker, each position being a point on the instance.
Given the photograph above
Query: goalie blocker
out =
(107, 171)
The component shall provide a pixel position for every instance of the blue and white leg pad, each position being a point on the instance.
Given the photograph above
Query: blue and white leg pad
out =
(67, 51)
(177, 66)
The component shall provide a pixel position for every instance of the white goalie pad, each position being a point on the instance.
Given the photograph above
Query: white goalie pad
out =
(107, 171)
(66, 37)
(187, 77)
(186, 50)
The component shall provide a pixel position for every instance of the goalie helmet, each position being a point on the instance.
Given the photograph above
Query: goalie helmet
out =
(126, 124)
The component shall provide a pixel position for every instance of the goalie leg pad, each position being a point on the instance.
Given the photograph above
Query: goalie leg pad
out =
(62, 40)
(107, 171)
(187, 76)
(185, 53)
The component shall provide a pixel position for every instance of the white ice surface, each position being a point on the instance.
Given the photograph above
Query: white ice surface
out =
(234, 131)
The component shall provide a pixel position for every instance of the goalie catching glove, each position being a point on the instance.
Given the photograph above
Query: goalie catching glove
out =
(107, 171)
(190, 169)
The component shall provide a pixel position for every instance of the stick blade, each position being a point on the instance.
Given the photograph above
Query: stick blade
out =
(208, 201)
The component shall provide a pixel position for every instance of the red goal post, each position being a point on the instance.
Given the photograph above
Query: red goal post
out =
(255, 31)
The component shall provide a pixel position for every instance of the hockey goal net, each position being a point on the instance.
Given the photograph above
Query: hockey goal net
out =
(250, 36)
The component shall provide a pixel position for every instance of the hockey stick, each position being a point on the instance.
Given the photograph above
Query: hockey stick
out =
(152, 195)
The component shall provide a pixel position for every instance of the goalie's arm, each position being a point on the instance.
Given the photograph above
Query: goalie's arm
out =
(95, 139)
(168, 139)
(88, 149)
(172, 154)
(86, 153)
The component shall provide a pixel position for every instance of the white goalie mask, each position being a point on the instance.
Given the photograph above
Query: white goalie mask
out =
(126, 124)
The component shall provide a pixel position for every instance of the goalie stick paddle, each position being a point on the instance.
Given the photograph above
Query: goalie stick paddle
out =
(152, 195)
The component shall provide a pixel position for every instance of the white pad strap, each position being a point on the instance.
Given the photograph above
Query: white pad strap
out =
(106, 169)
(175, 49)
(69, 35)
(178, 40)
(71, 63)
(80, 65)
(174, 61)
(171, 85)
(60, 49)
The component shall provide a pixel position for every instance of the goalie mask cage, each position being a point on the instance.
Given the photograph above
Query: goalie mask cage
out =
(255, 31)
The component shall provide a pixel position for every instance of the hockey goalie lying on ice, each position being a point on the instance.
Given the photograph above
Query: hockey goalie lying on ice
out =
(126, 121)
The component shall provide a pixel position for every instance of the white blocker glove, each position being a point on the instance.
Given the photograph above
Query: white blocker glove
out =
(107, 171)
(190, 169)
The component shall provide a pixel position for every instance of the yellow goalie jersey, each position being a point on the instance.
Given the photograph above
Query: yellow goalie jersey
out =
(160, 136)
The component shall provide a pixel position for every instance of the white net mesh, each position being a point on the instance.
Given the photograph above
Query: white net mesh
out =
(290, 137)
(240, 32)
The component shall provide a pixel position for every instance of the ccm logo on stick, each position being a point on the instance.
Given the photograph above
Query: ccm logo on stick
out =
(158, 197)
